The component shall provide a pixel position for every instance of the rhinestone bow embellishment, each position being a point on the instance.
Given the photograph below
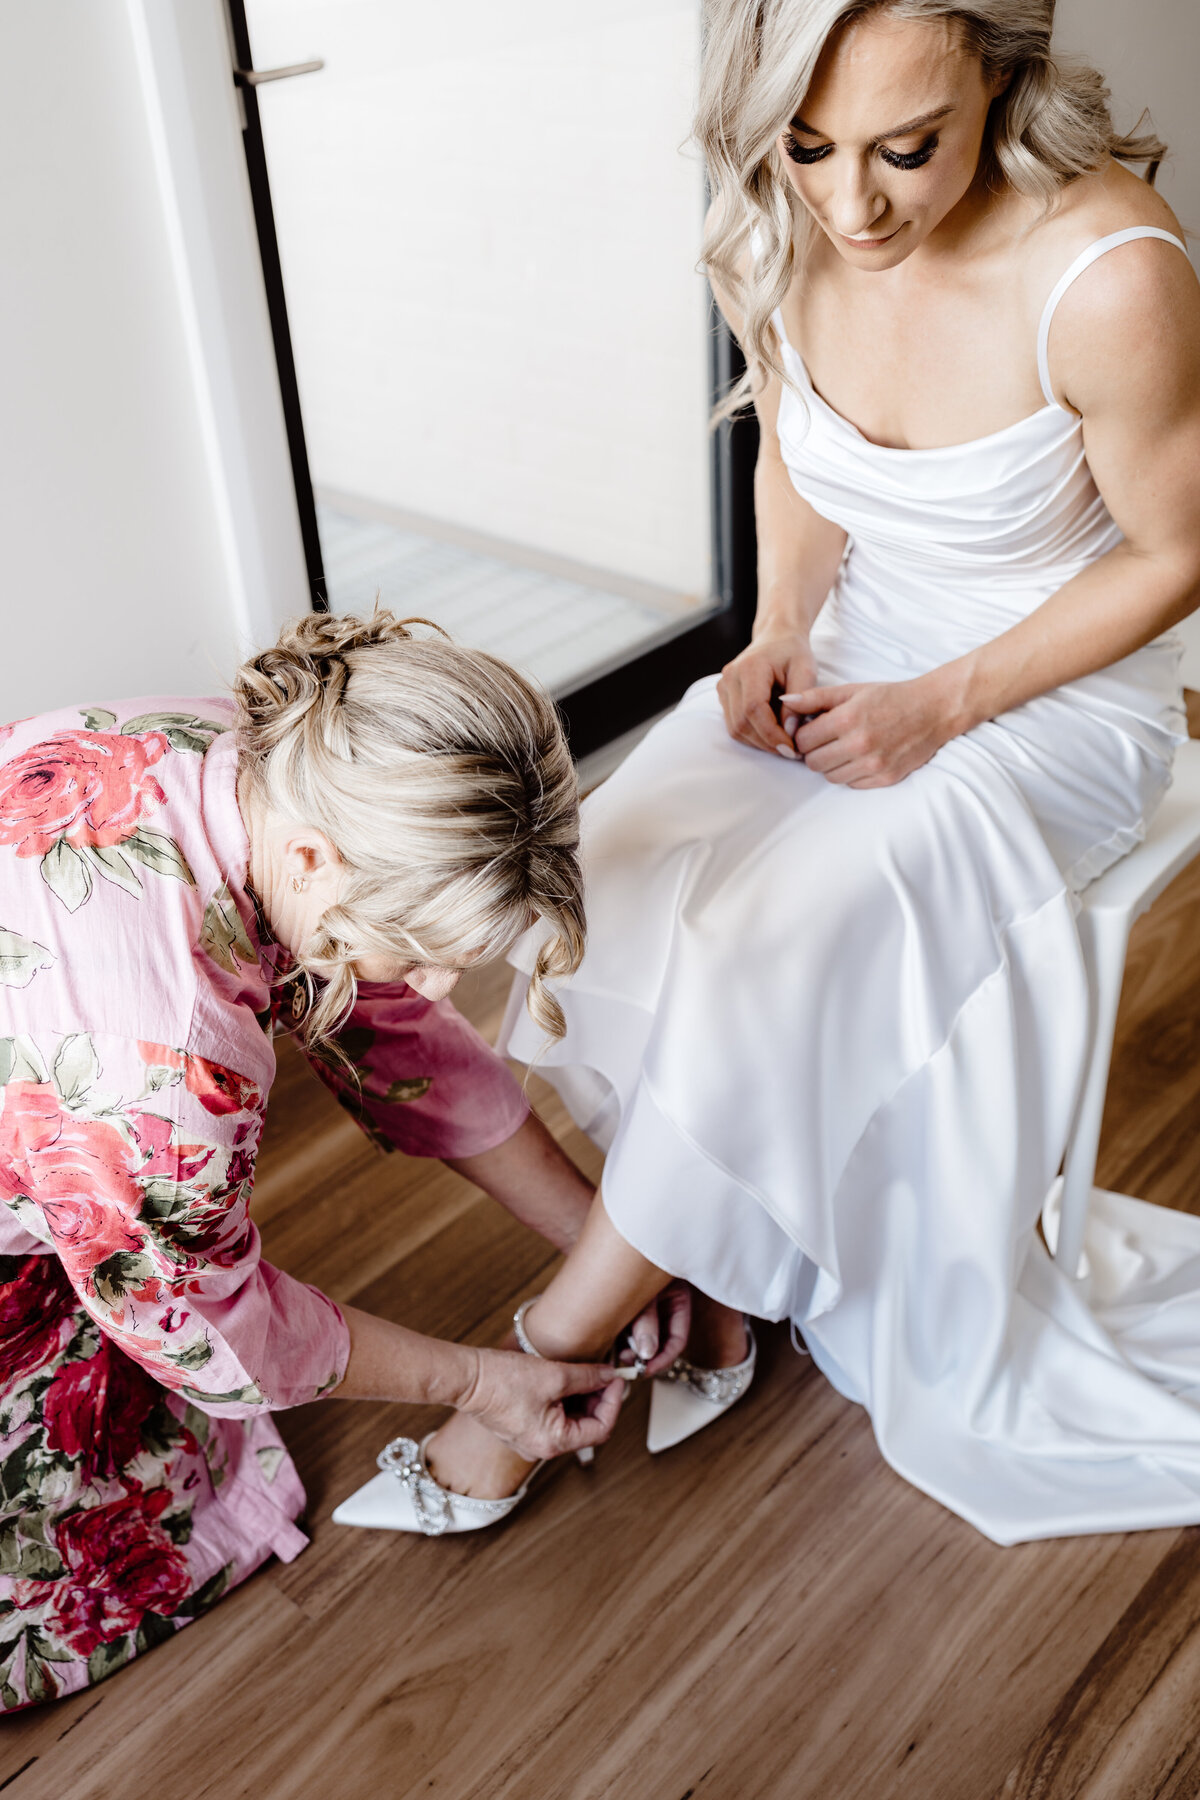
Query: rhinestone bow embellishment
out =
(402, 1458)
(721, 1386)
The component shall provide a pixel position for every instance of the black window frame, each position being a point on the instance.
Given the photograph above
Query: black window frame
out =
(617, 701)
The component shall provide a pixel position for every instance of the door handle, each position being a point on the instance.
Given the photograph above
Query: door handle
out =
(255, 77)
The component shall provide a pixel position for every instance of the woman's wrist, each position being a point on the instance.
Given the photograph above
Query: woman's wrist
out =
(955, 689)
(389, 1362)
(780, 616)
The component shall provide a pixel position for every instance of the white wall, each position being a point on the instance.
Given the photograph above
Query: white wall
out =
(128, 567)
(489, 237)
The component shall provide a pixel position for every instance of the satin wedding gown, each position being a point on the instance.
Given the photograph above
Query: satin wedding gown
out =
(832, 1039)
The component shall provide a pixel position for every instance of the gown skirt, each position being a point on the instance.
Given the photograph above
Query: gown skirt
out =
(832, 1040)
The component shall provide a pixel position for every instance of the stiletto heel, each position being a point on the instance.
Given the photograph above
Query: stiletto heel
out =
(684, 1399)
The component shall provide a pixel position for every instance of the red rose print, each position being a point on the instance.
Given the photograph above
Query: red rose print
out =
(33, 1306)
(94, 1411)
(121, 1564)
(91, 787)
(79, 1171)
(219, 1090)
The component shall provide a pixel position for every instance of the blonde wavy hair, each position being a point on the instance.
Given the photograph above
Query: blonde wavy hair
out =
(1050, 125)
(442, 778)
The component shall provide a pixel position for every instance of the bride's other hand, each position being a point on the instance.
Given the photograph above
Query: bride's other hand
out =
(660, 1331)
(778, 661)
(872, 734)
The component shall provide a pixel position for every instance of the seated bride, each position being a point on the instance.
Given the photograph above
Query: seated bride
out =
(832, 1017)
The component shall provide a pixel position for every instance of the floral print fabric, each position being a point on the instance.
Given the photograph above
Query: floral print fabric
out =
(143, 1339)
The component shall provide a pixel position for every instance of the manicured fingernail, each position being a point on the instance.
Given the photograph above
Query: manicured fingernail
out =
(786, 750)
(644, 1344)
(789, 722)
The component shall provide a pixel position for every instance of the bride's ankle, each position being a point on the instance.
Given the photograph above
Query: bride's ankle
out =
(558, 1337)
(718, 1337)
(466, 1458)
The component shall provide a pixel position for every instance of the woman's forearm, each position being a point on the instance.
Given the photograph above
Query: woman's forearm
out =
(389, 1362)
(798, 552)
(1111, 609)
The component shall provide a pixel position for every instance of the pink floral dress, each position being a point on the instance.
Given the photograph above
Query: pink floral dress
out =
(143, 1341)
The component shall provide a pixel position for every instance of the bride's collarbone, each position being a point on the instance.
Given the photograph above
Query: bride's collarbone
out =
(923, 371)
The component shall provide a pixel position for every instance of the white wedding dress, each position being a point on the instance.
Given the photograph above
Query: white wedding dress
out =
(832, 1038)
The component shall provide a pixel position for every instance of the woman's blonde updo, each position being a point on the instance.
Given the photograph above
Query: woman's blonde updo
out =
(442, 778)
(1050, 125)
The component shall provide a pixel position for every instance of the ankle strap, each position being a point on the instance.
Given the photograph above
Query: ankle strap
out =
(522, 1335)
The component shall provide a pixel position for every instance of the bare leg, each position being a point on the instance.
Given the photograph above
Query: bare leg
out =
(602, 1285)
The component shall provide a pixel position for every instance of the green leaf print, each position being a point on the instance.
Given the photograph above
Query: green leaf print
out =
(163, 1198)
(111, 861)
(25, 1557)
(268, 1457)
(160, 853)
(193, 1356)
(154, 1629)
(222, 934)
(40, 1684)
(205, 1596)
(98, 718)
(119, 1274)
(106, 1659)
(401, 1091)
(75, 1068)
(20, 959)
(184, 731)
(251, 1395)
(21, 1060)
(66, 873)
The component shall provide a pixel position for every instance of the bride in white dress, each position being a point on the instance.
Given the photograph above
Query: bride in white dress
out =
(832, 1018)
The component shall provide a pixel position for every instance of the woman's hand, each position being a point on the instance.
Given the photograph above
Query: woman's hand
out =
(542, 1408)
(872, 734)
(780, 660)
(660, 1332)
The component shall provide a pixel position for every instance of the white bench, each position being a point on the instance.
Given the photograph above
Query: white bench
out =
(1110, 905)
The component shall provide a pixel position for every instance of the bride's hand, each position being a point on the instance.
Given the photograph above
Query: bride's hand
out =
(542, 1408)
(871, 734)
(660, 1332)
(774, 660)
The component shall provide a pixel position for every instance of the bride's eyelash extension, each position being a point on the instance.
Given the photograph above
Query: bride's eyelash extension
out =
(800, 153)
(911, 159)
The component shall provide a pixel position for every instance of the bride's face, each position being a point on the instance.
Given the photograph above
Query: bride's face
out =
(888, 140)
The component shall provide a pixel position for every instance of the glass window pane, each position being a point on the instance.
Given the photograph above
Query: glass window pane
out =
(489, 220)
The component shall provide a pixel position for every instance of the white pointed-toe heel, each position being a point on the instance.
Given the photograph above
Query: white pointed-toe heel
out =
(684, 1399)
(404, 1496)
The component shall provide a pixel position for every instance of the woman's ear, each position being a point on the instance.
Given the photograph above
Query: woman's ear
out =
(310, 857)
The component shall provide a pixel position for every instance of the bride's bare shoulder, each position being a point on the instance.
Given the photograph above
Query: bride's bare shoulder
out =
(1093, 206)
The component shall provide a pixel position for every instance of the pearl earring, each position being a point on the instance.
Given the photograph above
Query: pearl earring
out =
(298, 883)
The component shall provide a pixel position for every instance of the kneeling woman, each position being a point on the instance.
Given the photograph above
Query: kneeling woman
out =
(176, 879)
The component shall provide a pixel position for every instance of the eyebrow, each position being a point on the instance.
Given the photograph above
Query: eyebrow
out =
(929, 118)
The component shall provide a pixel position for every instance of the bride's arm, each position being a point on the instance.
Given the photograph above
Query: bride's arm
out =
(1126, 356)
(798, 557)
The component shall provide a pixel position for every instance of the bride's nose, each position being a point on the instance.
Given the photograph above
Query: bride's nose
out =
(856, 203)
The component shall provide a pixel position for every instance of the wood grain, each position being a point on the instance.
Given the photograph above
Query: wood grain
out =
(765, 1613)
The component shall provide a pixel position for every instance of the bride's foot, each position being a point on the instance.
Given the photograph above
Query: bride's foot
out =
(466, 1458)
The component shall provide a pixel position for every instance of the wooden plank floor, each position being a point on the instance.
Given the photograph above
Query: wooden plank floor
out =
(765, 1613)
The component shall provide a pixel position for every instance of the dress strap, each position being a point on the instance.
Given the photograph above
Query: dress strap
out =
(1084, 261)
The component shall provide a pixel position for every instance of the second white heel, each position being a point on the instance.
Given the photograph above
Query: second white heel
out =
(684, 1399)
